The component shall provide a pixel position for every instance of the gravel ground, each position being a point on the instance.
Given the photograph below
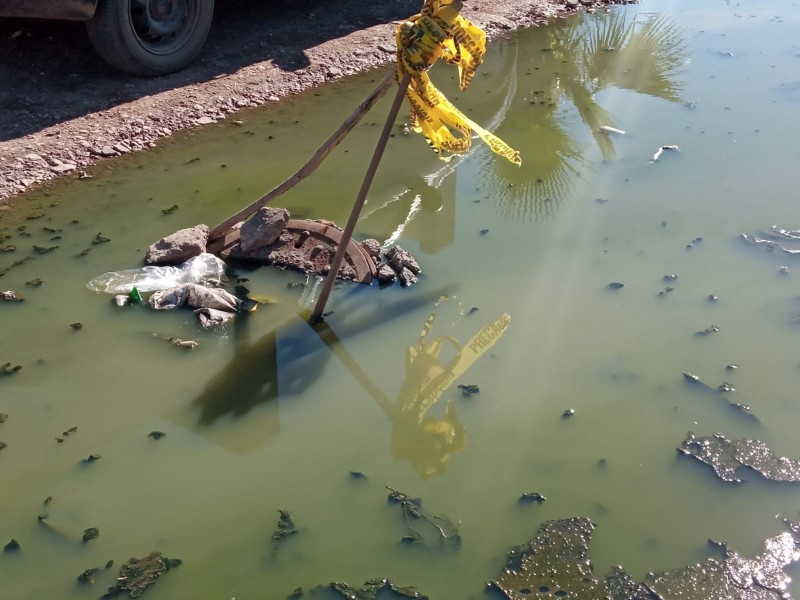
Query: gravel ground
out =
(64, 110)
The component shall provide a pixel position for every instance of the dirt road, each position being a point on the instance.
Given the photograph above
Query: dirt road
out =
(63, 109)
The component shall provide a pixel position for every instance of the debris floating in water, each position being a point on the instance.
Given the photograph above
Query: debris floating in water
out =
(88, 576)
(285, 525)
(91, 534)
(7, 369)
(11, 296)
(661, 150)
(608, 129)
(413, 511)
(775, 238)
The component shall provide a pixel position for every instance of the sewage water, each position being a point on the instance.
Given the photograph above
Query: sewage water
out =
(266, 415)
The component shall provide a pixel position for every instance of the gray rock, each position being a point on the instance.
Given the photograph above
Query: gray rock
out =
(399, 258)
(263, 228)
(373, 247)
(556, 563)
(178, 247)
(407, 277)
(727, 456)
(386, 274)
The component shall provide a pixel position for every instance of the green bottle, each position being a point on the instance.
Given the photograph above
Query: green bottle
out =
(135, 296)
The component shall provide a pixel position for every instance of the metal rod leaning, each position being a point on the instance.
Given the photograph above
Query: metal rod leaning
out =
(347, 234)
(312, 164)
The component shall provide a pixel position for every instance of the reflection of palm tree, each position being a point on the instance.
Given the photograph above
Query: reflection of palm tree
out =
(575, 63)
(642, 56)
(552, 165)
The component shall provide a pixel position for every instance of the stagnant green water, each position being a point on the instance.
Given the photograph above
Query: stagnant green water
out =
(266, 416)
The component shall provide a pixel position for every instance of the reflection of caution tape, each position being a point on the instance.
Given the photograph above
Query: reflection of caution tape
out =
(439, 31)
(433, 383)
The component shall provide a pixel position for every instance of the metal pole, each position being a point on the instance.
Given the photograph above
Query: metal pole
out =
(312, 164)
(347, 234)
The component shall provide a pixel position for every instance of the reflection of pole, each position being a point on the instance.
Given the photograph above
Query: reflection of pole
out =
(347, 234)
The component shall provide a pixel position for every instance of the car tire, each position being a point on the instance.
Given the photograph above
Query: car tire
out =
(150, 37)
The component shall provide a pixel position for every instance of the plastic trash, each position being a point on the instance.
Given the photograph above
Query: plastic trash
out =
(202, 268)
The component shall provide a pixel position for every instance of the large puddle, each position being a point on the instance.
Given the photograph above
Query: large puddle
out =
(270, 415)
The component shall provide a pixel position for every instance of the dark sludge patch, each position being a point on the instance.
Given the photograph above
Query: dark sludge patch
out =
(556, 559)
(555, 563)
(372, 588)
(727, 456)
(88, 575)
(447, 531)
(7, 369)
(139, 573)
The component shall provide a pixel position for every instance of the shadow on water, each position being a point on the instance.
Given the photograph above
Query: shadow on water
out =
(285, 361)
(54, 75)
(643, 53)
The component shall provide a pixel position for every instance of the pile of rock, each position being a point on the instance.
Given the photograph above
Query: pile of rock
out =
(396, 264)
(271, 237)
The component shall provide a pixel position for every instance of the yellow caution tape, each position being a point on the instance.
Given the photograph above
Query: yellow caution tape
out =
(439, 31)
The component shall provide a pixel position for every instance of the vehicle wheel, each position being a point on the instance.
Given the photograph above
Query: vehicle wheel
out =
(150, 37)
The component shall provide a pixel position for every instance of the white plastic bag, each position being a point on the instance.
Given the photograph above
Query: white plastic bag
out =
(202, 268)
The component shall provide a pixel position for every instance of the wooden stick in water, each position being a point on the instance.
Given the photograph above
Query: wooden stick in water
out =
(312, 164)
